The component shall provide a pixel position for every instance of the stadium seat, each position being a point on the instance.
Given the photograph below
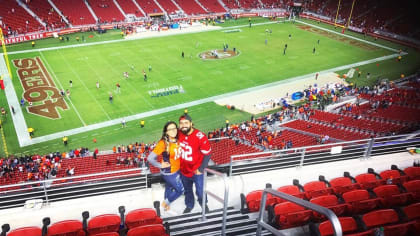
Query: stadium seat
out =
(107, 234)
(291, 190)
(289, 215)
(66, 228)
(330, 202)
(316, 189)
(412, 172)
(148, 230)
(414, 188)
(394, 176)
(341, 185)
(391, 196)
(369, 181)
(388, 219)
(412, 212)
(141, 217)
(253, 200)
(359, 201)
(104, 224)
(26, 231)
(348, 226)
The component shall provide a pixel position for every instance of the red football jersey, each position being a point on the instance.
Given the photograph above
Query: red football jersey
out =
(193, 148)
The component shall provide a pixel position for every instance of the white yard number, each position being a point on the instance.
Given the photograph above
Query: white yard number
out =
(186, 152)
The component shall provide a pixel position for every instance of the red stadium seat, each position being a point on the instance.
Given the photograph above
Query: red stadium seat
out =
(104, 224)
(388, 219)
(66, 228)
(253, 200)
(394, 175)
(26, 231)
(330, 202)
(359, 201)
(107, 234)
(412, 172)
(316, 189)
(148, 230)
(414, 188)
(341, 185)
(291, 215)
(391, 196)
(369, 181)
(348, 225)
(291, 190)
(413, 214)
(140, 217)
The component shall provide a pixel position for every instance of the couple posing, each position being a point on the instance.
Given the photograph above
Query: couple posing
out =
(185, 154)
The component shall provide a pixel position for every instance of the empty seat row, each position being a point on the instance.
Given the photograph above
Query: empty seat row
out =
(140, 222)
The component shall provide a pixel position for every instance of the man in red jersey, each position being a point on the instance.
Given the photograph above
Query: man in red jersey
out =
(195, 156)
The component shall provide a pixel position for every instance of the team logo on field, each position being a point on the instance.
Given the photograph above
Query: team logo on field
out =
(218, 54)
(166, 91)
(39, 89)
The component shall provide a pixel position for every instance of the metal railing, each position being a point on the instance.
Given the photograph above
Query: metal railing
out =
(322, 210)
(223, 200)
(300, 156)
(55, 189)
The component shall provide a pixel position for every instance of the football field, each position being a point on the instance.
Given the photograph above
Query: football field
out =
(172, 80)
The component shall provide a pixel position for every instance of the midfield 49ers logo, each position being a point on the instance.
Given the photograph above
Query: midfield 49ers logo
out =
(39, 88)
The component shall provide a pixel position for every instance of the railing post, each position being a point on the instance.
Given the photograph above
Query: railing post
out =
(261, 212)
(369, 148)
(224, 200)
(230, 166)
(203, 200)
(45, 191)
(302, 157)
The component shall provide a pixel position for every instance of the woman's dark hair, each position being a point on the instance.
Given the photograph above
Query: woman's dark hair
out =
(165, 129)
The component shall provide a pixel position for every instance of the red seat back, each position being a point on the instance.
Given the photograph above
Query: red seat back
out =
(359, 201)
(325, 201)
(412, 211)
(394, 175)
(291, 190)
(104, 223)
(140, 217)
(253, 200)
(412, 172)
(316, 189)
(380, 218)
(348, 225)
(66, 228)
(26, 231)
(148, 230)
(413, 187)
(356, 195)
(107, 234)
(291, 215)
(386, 190)
(391, 196)
(368, 181)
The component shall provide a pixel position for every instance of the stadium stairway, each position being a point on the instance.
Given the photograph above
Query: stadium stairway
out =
(192, 224)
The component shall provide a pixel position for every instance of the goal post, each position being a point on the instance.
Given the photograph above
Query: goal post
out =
(6, 58)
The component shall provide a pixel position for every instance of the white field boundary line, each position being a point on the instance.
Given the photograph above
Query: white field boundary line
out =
(190, 104)
(61, 87)
(26, 141)
(349, 36)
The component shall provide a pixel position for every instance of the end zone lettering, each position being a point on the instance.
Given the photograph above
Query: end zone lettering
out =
(39, 88)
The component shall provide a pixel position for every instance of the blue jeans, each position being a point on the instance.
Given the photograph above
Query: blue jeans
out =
(173, 186)
(188, 182)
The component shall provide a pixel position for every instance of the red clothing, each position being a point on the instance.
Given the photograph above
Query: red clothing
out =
(193, 149)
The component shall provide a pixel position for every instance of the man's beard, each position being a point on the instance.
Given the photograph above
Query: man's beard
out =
(186, 131)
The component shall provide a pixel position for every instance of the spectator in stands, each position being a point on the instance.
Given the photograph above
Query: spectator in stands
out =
(195, 153)
(169, 167)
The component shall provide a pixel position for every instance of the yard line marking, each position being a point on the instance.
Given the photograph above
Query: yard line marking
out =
(80, 79)
(61, 86)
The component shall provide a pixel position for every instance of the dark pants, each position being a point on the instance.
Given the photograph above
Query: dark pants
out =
(188, 182)
(173, 186)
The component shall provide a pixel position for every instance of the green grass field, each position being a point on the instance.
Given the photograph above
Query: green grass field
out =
(256, 64)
